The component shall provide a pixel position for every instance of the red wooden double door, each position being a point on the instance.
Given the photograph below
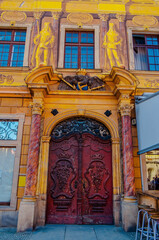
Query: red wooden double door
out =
(80, 180)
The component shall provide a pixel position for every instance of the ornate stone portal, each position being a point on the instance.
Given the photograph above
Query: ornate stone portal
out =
(124, 85)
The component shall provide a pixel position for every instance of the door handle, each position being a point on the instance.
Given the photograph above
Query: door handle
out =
(76, 184)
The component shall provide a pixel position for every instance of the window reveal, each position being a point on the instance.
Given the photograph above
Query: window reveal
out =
(12, 46)
(79, 50)
(6, 173)
(146, 52)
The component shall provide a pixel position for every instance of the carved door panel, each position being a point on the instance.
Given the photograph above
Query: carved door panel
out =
(80, 174)
(97, 181)
(62, 192)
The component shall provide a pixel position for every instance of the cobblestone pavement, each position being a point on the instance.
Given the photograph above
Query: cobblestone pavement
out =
(69, 232)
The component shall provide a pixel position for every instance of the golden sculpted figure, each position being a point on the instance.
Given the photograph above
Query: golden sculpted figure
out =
(111, 43)
(43, 44)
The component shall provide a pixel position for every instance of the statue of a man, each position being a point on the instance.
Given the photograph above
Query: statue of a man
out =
(110, 43)
(43, 43)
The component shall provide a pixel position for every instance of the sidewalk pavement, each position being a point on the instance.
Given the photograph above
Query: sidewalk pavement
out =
(69, 232)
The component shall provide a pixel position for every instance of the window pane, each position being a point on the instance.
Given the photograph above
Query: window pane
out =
(152, 68)
(74, 65)
(152, 165)
(151, 60)
(90, 65)
(90, 58)
(84, 65)
(8, 130)
(140, 57)
(5, 35)
(87, 60)
(68, 49)
(6, 173)
(74, 50)
(149, 42)
(139, 39)
(67, 65)
(5, 48)
(3, 63)
(71, 37)
(19, 36)
(86, 37)
(150, 52)
(71, 57)
(17, 56)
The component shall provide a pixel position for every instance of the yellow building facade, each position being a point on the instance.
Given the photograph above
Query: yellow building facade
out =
(80, 61)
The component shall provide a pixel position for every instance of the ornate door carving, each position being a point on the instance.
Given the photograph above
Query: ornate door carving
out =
(80, 173)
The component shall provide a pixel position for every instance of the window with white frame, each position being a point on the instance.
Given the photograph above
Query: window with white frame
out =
(12, 46)
(79, 48)
(146, 52)
(10, 146)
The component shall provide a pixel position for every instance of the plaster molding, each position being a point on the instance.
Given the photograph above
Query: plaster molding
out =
(38, 15)
(13, 16)
(125, 109)
(121, 18)
(56, 15)
(104, 17)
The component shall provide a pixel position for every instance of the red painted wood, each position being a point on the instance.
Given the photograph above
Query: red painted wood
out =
(97, 181)
(63, 170)
(80, 181)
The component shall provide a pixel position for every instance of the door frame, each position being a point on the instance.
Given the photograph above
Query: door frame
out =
(44, 159)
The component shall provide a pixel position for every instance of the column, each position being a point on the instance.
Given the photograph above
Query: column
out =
(42, 180)
(124, 48)
(128, 167)
(33, 153)
(104, 18)
(28, 205)
(56, 28)
(36, 30)
(116, 180)
(129, 203)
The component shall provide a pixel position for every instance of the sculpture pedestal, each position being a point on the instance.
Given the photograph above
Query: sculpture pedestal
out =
(129, 214)
(27, 215)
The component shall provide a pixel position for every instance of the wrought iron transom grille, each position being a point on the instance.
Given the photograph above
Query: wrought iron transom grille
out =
(80, 125)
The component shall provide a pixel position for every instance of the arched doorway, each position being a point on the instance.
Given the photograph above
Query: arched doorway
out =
(80, 173)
